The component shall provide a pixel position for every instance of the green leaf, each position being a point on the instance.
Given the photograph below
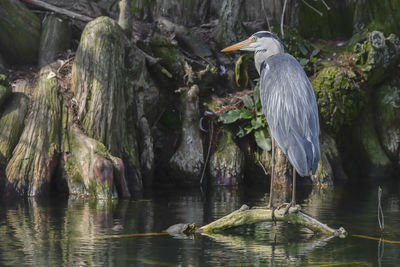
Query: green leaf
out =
(230, 116)
(256, 123)
(303, 49)
(248, 101)
(262, 139)
(245, 114)
(314, 52)
(303, 61)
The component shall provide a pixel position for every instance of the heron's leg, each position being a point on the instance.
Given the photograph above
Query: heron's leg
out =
(293, 202)
(271, 191)
(294, 188)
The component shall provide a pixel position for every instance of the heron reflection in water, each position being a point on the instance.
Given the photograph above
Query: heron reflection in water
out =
(288, 102)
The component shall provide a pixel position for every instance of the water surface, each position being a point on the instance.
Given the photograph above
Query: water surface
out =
(61, 232)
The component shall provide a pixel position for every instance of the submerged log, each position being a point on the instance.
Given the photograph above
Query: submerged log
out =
(12, 118)
(20, 33)
(247, 216)
(187, 162)
(55, 38)
(106, 100)
(30, 169)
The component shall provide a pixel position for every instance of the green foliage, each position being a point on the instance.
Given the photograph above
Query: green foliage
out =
(301, 50)
(250, 118)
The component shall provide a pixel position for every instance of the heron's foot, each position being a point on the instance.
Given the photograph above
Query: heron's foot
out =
(268, 207)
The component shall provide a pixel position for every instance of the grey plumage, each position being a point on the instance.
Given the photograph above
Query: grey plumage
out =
(291, 111)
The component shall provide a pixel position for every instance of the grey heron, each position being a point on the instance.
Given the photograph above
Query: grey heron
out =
(289, 104)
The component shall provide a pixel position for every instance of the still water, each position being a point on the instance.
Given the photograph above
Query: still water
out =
(60, 232)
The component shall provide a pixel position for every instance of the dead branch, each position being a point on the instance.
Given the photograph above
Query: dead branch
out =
(58, 10)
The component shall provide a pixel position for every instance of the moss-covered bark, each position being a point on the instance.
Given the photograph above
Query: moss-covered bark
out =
(330, 167)
(5, 89)
(376, 56)
(387, 115)
(229, 29)
(377, 15)
(20, 33)
(89, 171)
(30, 169)
(54, 39)
(12, 118)
(227, 163)
(105, 97)
(187, 162)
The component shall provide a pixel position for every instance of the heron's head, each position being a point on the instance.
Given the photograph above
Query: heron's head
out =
(259, 41)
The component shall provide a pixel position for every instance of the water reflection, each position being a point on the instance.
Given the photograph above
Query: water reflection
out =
(78, 232)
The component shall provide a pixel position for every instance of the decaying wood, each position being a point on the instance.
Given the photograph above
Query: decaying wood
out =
(247, 216)
(59, 10)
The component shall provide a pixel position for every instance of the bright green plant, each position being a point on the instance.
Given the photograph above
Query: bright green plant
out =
(250, 119)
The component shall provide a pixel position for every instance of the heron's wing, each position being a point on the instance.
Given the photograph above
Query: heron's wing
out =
(291, 111)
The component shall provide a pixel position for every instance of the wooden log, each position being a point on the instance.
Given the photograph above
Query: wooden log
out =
(20, 33)
(12, 118)
(30, 169)
(106, 100)
(246, 216)
(54, 39)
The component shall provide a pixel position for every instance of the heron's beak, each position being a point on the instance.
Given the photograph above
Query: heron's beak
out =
(237, 46)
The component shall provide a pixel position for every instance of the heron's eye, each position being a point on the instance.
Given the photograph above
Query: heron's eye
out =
(253, 39)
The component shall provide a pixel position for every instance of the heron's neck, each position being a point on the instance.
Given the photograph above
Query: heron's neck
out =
(261, 55)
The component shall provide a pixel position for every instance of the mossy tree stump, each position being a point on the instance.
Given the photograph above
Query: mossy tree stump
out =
(105, 98)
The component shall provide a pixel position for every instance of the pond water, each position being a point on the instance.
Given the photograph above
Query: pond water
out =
(60, 232)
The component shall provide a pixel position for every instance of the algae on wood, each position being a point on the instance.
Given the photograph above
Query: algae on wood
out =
(20, 33)
(106, 101)
(30, 169)
(54, 39)
(12, 118)
(247, 216)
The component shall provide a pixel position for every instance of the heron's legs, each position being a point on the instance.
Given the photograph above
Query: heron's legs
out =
(271, 191)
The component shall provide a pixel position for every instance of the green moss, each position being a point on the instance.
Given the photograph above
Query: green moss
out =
(339, 96)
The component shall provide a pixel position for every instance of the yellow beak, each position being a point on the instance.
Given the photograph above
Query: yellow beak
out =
(237, 46)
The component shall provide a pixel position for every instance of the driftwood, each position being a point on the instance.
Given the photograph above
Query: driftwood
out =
(247, 216)
(59, 10)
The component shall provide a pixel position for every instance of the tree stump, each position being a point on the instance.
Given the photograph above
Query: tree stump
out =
(106, 101)
(29, 170)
